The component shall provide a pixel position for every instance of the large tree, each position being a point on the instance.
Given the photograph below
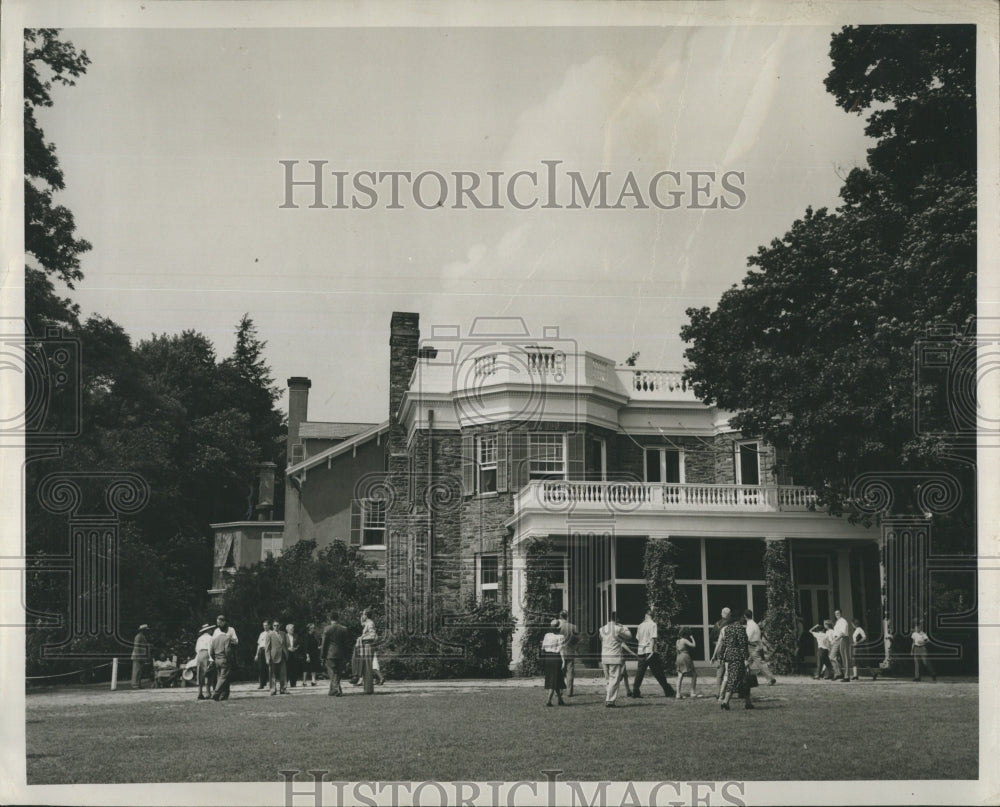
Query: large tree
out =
(814, 350)
(49, 228)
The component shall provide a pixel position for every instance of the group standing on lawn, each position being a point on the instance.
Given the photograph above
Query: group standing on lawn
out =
(284, 656)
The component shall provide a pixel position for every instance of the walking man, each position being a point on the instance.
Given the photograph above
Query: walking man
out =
(920, 642)
(263, 672)
(140, 655)
(277, 658)
(221, 626)
(222, 650)
(334, 652)
(838, 647)
(648, 657)
(571, 640)
(755, 640)
(613, 637)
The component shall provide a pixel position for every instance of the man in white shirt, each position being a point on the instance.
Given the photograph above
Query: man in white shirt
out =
(612, 648)
(755, 640)
(222, 627)
(838, 647)
(819, 633)
(263, 672)
(646, 635)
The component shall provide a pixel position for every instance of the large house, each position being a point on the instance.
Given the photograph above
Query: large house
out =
(497, 438)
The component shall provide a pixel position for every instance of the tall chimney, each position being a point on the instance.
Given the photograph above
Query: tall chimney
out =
(265, 491)
(298, 409)
(404, 337)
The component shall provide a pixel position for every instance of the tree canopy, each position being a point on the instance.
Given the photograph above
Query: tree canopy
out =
(814, 350)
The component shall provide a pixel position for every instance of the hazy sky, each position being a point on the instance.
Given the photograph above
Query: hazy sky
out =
(171, 145)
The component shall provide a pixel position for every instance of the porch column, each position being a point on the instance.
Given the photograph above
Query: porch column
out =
(518, 567)
(844, 598)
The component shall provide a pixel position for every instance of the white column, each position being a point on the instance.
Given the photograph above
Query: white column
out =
(844, 599)
(517, 581)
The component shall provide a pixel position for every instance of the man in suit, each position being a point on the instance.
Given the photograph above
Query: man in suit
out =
(570, 644)
(277, 657)
(140, 655)
(613, 638)
(263, 670)
(335, 652)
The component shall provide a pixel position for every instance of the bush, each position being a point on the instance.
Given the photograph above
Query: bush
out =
(780, 625)
(663, 597)
(475, 645)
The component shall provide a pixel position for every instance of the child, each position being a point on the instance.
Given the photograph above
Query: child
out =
(685, 666)
(920, 642)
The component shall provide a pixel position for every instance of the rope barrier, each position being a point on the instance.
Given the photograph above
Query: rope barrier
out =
(61, 675)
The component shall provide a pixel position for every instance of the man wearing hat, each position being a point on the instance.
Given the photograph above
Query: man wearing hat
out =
(140, 655)
(203, 655)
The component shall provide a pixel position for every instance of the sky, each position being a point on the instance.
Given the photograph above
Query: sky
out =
(171, 143)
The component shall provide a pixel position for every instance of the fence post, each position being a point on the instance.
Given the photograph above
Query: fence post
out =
(114, 673)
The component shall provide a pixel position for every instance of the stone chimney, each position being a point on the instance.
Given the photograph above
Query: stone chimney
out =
(404, 338)
(265, 491)
(298, 411)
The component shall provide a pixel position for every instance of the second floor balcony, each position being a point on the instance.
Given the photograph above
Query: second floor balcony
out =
(581, 497)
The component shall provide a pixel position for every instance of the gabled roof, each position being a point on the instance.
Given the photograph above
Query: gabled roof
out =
(371, 433)
(325, 430)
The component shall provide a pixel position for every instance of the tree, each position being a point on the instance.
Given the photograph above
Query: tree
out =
(814, 350)
(49, 228)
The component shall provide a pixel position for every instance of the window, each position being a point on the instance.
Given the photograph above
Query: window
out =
(270, 545)
(598, 459)
(489, 578)
(747, 463)
(664, 465)
(547, 456)
(373, 522)
(486, 463)
(298, 453)
(782, 468)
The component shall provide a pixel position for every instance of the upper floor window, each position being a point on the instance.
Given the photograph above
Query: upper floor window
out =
(664, 465)
(748, 463)
(373, 522)
(547, 456)
(486, 463)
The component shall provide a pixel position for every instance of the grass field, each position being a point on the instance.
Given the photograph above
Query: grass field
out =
(801, 729)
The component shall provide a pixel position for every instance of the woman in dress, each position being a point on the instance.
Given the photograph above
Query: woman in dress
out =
(364, 654)
(296, 655)
(553, 657)
(685, 666)
(734, 650)
(858, 638)
(312, 655)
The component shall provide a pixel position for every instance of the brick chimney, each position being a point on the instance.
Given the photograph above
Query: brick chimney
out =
(298, 410)
(404, 338)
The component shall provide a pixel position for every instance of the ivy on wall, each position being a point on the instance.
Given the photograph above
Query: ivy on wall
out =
(660, 568)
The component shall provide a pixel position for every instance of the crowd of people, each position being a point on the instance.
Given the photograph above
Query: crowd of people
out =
(284, 657)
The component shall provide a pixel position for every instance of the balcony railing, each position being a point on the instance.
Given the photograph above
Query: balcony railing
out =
(623, 497)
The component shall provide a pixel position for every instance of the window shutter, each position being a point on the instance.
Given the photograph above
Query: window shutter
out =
(502, 462)
(356, 514)
(519, 459)
(575, 468)
(468, 464)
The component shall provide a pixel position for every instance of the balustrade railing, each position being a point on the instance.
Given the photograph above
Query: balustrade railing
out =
(559, 494)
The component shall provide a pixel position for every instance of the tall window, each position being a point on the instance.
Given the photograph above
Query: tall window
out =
(489, 578)
(486, 463)
(748, 463)
(373, 522)
(664, 465)
(547, 456)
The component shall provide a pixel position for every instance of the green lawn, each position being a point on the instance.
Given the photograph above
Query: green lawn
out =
(799, 730)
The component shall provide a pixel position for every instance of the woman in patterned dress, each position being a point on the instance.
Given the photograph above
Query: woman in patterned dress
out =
(685, 666)
(734, 650)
